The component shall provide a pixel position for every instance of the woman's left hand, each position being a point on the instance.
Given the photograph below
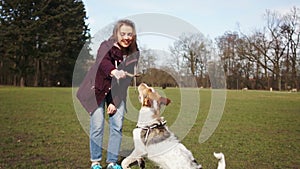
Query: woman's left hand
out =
(111, 109)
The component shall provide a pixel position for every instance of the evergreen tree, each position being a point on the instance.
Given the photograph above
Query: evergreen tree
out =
(40, 41)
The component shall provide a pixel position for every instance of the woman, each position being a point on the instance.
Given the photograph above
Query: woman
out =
(116, 57)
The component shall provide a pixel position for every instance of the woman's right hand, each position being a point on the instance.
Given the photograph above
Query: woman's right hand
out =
(118, 74)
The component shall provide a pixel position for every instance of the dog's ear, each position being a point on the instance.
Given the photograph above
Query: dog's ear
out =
(146, 92)
(149, 91)
(165, 101)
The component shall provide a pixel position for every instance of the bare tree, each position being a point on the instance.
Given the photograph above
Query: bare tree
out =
(147, 59)
(233, 61)
(274, 50)
(191, 53)
(255, 49)
(290, 29)
(277, 45)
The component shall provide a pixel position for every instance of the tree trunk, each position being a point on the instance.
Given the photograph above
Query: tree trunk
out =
(37, 72)
(22, 81)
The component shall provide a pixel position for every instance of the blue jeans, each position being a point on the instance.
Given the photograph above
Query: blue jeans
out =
(97, 121)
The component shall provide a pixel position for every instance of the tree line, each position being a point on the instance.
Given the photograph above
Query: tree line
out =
(268, 57)
(40, 41)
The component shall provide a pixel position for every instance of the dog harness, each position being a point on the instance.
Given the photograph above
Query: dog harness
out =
(148, 129)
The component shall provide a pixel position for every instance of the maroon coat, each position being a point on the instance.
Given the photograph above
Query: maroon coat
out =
(98, 83)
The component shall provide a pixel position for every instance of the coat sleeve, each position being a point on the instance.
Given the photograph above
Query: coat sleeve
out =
(107, 60)
(119, 88)
(88, 88)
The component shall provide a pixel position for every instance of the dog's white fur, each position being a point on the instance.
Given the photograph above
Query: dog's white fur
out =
(166, 152)
(221, 158)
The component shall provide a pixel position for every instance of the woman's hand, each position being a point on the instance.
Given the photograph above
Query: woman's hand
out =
(118, 74)
(111, 109)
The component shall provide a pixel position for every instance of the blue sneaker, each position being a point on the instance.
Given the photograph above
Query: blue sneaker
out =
(113, 166)
(96, 166)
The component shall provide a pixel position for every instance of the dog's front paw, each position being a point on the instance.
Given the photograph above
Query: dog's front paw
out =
(125, 164)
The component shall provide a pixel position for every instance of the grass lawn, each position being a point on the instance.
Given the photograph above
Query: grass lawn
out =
(258, 129)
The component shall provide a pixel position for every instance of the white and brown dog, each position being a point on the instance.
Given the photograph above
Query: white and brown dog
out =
(153, 139)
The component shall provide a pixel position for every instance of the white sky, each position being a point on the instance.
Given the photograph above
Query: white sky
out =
(211, 17)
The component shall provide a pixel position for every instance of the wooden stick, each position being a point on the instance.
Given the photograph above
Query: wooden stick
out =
(132, 75)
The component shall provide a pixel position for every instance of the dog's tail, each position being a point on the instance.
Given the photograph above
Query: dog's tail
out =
(220, 156)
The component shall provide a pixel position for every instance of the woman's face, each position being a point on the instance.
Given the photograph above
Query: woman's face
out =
(125, 36)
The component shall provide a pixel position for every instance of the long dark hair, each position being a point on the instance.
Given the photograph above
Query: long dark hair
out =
(133, 46)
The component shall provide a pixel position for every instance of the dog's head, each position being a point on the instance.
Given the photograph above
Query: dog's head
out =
(150, 98)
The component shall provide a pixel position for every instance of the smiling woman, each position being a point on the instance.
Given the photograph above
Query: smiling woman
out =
(104, 89)
(125, 36)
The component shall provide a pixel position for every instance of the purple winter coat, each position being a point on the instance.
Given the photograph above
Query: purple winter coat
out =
(98, 83)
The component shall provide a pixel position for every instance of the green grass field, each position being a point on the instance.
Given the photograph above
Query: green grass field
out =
(259, 129)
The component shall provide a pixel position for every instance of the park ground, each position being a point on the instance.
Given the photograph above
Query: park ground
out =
(259, 129)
